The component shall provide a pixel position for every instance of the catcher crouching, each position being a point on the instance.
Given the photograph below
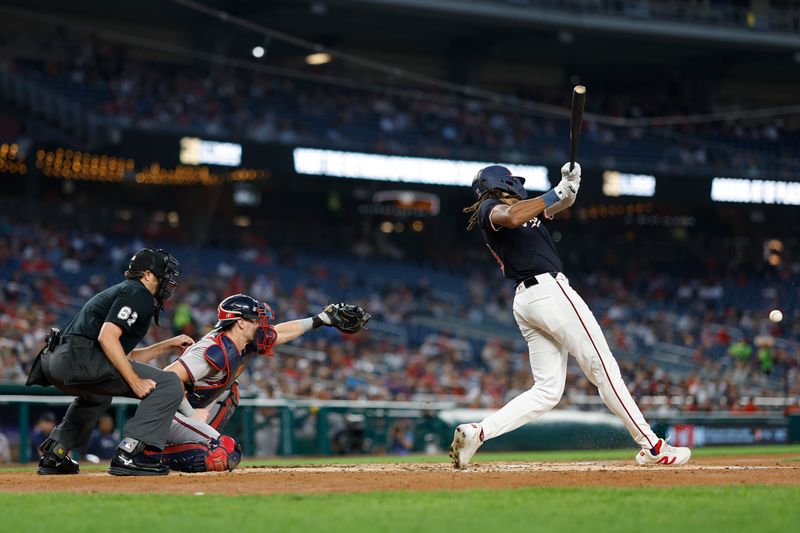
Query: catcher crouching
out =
(209, 369)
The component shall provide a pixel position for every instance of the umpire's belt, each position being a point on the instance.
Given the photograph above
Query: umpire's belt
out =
(78, 340)
(531, 281)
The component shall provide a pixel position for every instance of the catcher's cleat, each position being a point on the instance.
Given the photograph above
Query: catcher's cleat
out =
(466, 441)
(55, 460)
(664, 454)
(135, 462)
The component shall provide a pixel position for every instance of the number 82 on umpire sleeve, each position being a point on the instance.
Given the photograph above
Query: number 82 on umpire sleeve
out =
(127, 315)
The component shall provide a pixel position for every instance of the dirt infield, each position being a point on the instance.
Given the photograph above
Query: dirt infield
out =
(736, 470)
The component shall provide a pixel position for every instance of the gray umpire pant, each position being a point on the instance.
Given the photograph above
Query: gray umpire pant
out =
(80, 367)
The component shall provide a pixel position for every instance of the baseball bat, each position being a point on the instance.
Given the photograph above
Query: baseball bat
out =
(578, 101)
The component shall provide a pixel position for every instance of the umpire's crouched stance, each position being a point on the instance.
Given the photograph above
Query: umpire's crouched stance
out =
(89, 359)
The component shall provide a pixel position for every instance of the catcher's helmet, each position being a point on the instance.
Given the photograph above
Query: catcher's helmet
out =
(498, 177)
(239, 306)
(162, 264)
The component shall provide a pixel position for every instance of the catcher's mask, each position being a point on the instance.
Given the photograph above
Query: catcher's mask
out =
(164, 266)
(239, 306)
(500, 178)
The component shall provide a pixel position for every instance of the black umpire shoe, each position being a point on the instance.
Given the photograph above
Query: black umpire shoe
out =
(55, 460)
(51, 465)
(136, 463)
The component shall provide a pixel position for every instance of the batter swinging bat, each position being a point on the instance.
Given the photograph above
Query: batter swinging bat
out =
(578, 101)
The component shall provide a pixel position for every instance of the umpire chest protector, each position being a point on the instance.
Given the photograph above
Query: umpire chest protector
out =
(226, 362)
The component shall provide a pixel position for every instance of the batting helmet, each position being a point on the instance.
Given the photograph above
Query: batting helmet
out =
(500, 178)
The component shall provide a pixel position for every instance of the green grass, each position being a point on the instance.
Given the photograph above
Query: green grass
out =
(575, 455)
(728, 509)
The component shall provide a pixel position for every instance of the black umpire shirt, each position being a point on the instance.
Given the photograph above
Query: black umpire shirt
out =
(522, 252)
(128, 304)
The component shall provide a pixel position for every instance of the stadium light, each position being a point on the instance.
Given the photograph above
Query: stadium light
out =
(320, 58)
(378, 167)
(620, 184)
(749, 191)
(196, 151)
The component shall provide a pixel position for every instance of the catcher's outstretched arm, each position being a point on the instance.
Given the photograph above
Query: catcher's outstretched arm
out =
(289, 331)
(346, 318)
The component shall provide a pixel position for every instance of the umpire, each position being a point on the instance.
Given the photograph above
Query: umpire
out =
(93, 358)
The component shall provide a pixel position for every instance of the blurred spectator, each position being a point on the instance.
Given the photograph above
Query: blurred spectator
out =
(41, 430)
(401, 438)
(104, 439)
(348, 436)
(5, 450)
(268, 432)
(741, 351)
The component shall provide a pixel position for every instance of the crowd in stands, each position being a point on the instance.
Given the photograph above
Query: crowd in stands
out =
(774, 15)
(453, 340)
(136, 92)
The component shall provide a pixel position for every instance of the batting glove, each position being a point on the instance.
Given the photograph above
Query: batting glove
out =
(562, 190)
(571, 175)
(567, 188)
(574, 186)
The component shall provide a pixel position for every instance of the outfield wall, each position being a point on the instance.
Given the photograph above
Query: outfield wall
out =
(308, 427)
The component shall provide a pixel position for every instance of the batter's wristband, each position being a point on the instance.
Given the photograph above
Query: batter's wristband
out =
(316, 322)
(550, 197)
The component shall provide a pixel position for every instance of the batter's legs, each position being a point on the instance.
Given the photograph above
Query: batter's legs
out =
(555, 320)
(582, 336)
(549, 367)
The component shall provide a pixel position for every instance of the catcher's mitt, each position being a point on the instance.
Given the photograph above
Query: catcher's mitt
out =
(347, 318)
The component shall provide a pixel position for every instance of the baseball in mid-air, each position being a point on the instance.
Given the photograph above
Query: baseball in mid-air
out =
(775, 315)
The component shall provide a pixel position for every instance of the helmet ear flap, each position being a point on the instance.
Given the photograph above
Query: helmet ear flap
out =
(479, 186)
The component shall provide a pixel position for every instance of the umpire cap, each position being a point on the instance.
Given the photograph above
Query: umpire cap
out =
(500, 178)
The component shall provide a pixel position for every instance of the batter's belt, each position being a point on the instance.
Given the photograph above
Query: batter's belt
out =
(531, 281)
